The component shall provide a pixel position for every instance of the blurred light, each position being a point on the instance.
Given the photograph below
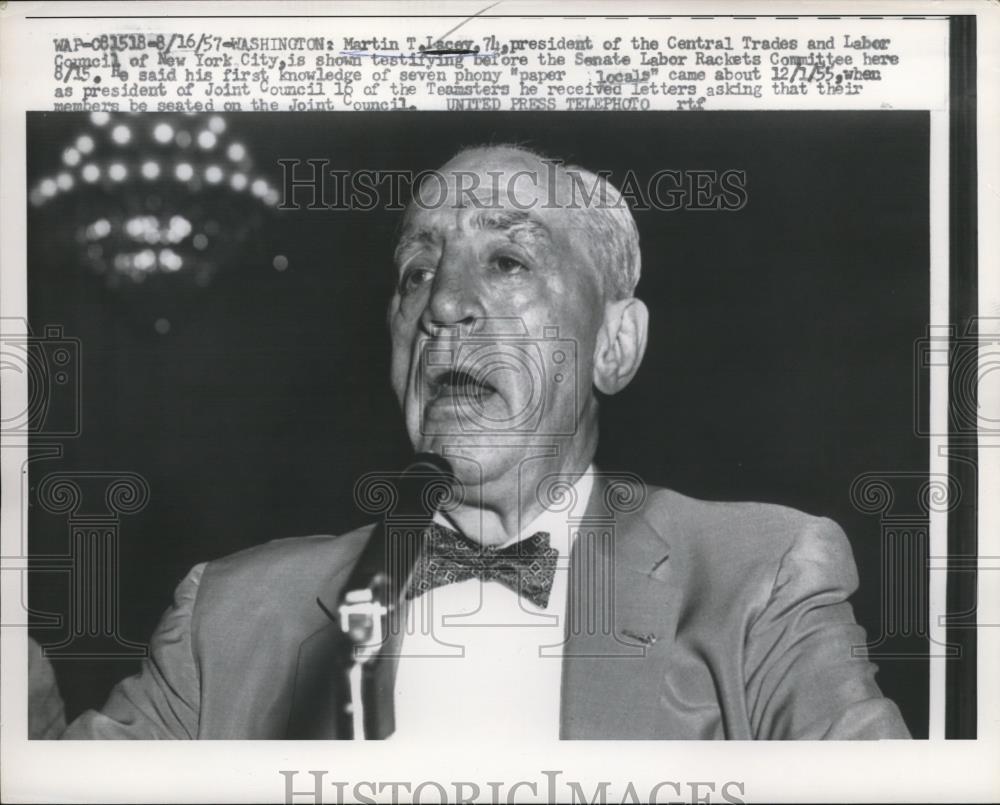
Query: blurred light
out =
(145, 260)
(180, 228)
(146, 229)
(134, 227)
(162, 326)
(36, 197)
(101, 228)
(121, 134)
(170, 260)
(163, 132)
(140, 227)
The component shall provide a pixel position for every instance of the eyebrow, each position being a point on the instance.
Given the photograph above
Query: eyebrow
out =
(410, 240)
(513, 223)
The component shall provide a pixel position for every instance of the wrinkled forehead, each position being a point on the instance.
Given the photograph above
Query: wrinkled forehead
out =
(495, 192)
(490, 177)
(429, 230)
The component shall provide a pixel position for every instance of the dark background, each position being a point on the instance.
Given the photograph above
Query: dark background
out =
(779, 368)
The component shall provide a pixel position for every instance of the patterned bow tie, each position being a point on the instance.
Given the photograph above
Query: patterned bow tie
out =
(526, 567)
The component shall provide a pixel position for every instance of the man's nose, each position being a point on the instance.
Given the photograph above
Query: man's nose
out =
(454, 298)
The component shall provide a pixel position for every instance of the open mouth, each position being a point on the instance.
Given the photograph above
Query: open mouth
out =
(458, 383)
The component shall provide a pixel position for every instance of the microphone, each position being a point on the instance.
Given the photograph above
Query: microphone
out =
(388, 559)
(369, 608)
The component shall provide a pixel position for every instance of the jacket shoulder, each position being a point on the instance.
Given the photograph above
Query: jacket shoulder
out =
(731, 558)
(277, 569)
(743, 533)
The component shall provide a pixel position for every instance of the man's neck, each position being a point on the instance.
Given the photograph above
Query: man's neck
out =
(499, 522)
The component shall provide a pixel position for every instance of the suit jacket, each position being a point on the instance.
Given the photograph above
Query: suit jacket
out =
(686, 619)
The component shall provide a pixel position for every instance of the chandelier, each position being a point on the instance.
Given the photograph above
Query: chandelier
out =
(154, 195)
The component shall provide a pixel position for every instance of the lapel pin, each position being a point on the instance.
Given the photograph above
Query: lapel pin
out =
(645, 639)
(658, 564)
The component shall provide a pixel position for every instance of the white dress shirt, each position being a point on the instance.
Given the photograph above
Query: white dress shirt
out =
(477, 659)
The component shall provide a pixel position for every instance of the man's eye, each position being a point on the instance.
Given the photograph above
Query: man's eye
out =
(414, 278)
(509, 265)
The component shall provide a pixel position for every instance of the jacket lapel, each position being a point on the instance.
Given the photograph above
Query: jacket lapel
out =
(621, 619)
(320, 689)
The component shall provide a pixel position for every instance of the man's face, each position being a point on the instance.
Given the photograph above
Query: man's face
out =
(485, 263)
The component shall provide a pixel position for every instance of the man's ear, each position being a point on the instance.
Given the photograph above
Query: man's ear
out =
(621, 343)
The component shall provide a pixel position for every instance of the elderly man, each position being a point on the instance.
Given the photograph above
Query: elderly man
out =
(635, 613)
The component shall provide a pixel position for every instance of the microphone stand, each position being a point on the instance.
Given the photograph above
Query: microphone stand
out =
(364, 619)
(370, 605)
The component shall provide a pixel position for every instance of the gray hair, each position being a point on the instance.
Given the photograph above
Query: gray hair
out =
(610, 230)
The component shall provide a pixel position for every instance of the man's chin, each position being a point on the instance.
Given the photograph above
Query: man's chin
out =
(478, 453)
(479, 459)
(482, 448)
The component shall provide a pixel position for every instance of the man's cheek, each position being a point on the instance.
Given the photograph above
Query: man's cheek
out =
(525, 302)
(397, 375)
(402, 331)
(399, 368)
